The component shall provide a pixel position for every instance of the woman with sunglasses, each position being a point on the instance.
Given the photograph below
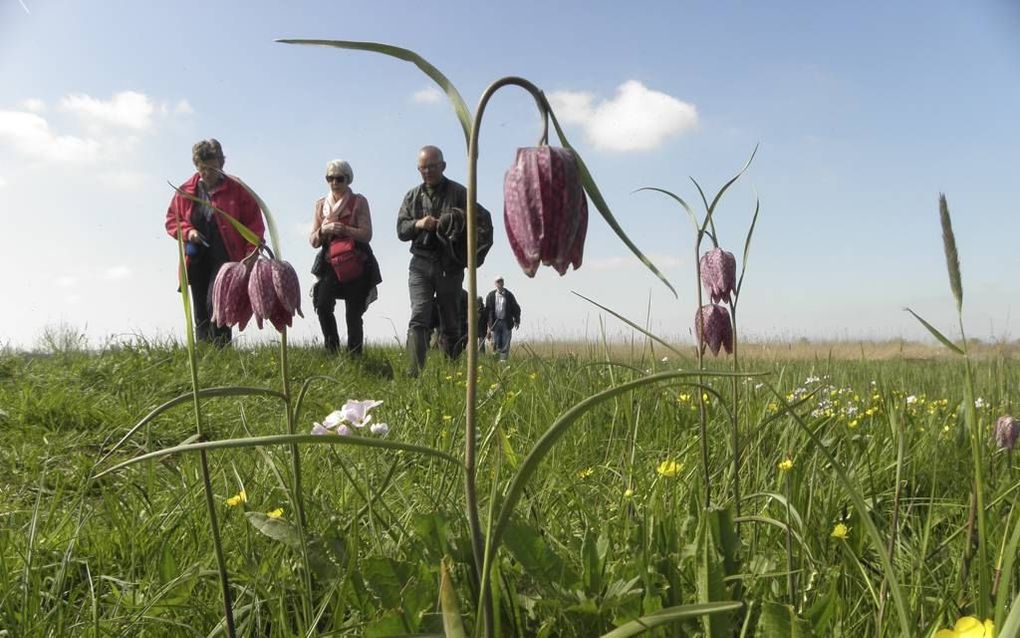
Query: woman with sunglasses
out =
(340, 216)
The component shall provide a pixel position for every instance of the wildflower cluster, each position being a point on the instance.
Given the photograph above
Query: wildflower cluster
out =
(354, 414)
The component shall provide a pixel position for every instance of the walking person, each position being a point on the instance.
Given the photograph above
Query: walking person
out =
(210, 239)
(346, 266)
(432, 218)
(504, 315)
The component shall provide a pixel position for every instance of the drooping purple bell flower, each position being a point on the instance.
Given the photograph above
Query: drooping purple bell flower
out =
(545, 209)
(719, 274)
(1007, 429)
(266, 300)
(231, 305)
(712, 327)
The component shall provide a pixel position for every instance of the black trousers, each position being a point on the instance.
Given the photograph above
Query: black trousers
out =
(427, 279)
(201, 277)
(355, 295)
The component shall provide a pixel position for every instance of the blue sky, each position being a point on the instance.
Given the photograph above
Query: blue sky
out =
(864, 112)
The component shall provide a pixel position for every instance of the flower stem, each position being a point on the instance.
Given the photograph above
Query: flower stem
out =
(482, 553)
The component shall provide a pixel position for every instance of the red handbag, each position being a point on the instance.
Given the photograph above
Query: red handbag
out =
(347, 260)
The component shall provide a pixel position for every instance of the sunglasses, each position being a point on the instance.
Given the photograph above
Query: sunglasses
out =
(336, 178)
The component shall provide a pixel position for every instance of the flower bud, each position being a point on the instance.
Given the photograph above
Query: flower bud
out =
(545, 210)
(719, 274)
(1007, 429)
(712, 327)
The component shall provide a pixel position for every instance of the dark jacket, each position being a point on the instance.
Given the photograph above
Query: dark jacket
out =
(447, 203)
(512, 312)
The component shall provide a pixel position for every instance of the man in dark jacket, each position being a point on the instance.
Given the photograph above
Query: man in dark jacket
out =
(431, 217)
(504, 315)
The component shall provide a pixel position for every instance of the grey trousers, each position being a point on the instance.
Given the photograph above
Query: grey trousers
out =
(428, 280)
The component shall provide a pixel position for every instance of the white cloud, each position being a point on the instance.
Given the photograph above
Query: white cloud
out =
(428, 95)
(66, 281)
(34, 104)
(183, 108)
(636, 119)
(117, 273)
(72, 299)
(31, 135)
(128, 109)
(3, 182)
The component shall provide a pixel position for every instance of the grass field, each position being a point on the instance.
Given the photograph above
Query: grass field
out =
(851, 460)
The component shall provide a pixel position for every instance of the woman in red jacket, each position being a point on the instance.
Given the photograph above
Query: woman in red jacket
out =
(210, 239)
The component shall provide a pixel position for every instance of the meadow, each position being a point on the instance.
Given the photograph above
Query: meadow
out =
(611, 527)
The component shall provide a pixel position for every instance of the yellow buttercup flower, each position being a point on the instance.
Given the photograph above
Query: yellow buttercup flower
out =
(852, 424)
(585, 473)
(533, 376)
(786, 465)
(840, 531)
(277, 513)
(237, 499)
(669, 468)
(628, 493)
(447, 417)
(968, 627)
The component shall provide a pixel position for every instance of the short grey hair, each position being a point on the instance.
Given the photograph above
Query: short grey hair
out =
(206, 150)
(340, 167)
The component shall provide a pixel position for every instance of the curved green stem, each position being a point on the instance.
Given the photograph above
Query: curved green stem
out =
(470, 443)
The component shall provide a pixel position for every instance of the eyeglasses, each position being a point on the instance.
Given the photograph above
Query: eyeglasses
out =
(435, 166)
(336, 178)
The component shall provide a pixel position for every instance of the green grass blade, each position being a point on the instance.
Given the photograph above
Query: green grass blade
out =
(286, 439)
(747, 246)
(631, 324)
(935, 333)
(718, 196)
(671, 615)
(459, 106)
(453, 625)
(1009, 556)
(1012, 625)
(600, 203)
(226, 391)
(952, 256)
(863, 511)
(680, 200)
(560, 426)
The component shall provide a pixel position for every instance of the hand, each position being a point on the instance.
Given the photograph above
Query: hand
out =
(335, 229)
(195, 237)
(517, 325)
(426, 223)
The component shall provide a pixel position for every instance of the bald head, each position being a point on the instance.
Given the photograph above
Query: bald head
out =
(431, 165)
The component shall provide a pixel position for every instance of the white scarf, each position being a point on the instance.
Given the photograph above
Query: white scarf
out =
(331, 207)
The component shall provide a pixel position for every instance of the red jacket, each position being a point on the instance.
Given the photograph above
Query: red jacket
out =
(230, 197)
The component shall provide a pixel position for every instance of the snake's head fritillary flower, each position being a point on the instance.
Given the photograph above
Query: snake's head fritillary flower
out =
(231, 305)
(265, 300)
(719, 274)
(1007, 429)
(286, 285)
(712, 328)
(968, 627)
(545, 210)
(380, 429)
